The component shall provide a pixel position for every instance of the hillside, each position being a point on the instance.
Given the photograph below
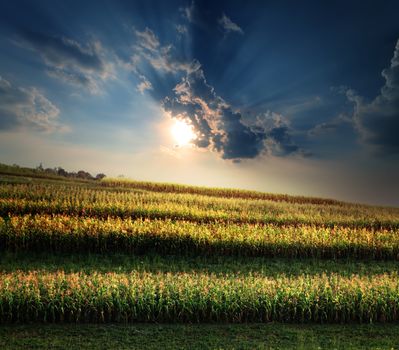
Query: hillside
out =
(124, 253)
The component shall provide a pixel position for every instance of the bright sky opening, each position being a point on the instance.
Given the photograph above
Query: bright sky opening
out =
(182, 132)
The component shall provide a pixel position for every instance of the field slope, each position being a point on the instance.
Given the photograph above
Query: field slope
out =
(152, 261)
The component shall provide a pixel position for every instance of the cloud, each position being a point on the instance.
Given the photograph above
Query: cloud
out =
(188, 12)
(144, 84)
(68, 60)
(222, 129)
(74, 78)
(377, 122)
(330, 126)
(21, 107)
(147, 39)
(278, 131)
(181, 29)
(161, 58)
(228, 25)
(218, 126)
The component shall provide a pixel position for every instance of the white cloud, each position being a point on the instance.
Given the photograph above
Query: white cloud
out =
(23, 107)
(147, 39)
(181, 29)
(144, 84)
(161, 58)
(188, 12)
(229, 26)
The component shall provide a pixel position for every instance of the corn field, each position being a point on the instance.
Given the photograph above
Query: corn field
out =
(61, 233)
(165, 297)
(104, 202)
(160, 226)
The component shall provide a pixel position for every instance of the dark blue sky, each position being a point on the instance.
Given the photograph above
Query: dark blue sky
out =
(312, 84)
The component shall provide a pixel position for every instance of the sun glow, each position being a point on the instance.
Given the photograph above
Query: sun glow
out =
(182, 132)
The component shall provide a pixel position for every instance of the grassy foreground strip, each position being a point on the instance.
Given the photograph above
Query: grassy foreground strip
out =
(200, 336)
(39, 296)
(60, 233)
(103, 202)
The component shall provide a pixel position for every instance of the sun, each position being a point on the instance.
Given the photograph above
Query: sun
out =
(182, 132)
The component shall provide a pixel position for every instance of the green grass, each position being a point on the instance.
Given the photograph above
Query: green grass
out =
(201, 337)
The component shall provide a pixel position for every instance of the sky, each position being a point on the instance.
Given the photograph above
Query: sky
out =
(277, 96)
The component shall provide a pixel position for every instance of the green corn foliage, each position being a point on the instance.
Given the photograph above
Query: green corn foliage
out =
(60, 233)
(78, 200)
(140, 217)
(191, 297)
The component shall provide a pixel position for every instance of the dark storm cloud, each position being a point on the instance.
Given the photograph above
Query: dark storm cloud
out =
(378, 122)
(278, 132)
(222, 129)
(218, 126)
(68, 60)
(27, 108)
(283, 141)
(375, 122)
(239, 141)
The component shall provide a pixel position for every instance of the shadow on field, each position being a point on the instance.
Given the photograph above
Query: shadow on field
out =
(268, 267)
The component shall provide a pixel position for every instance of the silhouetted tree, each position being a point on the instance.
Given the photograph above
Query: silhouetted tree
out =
(40, 167)
(62, 172)
(100, 176)
(84, 175)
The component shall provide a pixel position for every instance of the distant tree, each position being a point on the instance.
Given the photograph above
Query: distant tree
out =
(100, 176)
(40, 170)
(84, 175)
(50, 171)
(62, 172)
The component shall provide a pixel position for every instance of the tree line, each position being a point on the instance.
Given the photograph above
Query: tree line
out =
(81, 174)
